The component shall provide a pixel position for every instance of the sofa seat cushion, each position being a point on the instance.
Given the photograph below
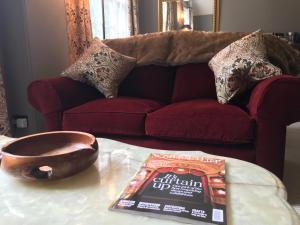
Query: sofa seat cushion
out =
(204, 121)
(122, 115)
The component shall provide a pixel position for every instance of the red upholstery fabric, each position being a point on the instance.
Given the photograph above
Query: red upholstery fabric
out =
(274, 104)
(151, 82)
(273, 93)
(201, 123)
(122, 115)
(204, 121)
(54, 95)
(194, 81)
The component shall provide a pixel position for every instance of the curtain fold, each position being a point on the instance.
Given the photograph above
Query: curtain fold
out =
(4, 121)
(78, 27)
(133, 13)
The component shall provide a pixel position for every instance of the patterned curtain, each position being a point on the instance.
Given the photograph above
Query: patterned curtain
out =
(4, 122)
(78, 27)
(133, 13)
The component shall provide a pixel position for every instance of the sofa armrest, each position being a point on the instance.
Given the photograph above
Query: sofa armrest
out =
(274, 104)
(59, 93)
(53, 96)
(276, 98)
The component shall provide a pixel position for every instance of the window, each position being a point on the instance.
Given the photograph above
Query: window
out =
(110, 18)
(96, 11)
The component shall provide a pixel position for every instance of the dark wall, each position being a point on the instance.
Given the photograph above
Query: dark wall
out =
(148, 16)
(240, 15)
(269, 15)
(203, 23)
(34, 46)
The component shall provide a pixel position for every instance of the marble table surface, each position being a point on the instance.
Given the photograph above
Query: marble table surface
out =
(254, 195)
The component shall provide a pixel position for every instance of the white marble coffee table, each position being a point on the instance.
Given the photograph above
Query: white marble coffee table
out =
(254, 195)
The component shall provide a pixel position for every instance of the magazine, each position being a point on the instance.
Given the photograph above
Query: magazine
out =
(182, 188)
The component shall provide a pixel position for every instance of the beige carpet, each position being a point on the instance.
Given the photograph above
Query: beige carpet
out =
(292, 165)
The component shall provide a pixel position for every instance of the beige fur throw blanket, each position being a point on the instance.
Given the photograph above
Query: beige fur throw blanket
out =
(182, 47)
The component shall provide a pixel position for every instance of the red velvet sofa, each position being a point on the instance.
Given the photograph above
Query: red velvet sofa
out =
(176, 108)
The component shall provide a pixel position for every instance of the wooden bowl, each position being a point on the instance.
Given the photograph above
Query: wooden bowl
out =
(49, 156)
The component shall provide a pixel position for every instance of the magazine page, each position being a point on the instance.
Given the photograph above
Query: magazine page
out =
(183, 188)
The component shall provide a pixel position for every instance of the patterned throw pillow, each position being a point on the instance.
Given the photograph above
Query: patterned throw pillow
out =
(102, 68)
(241, 65)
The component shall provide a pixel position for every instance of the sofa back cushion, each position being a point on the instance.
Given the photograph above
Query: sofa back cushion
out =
(150, 82)
(193, 81)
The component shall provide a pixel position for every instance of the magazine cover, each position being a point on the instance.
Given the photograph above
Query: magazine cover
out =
(183, 188)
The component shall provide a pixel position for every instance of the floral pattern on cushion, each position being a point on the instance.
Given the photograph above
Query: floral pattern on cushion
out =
(239, 66)
(102, 68)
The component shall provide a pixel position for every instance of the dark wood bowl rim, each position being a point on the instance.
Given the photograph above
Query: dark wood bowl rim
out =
(4, 153)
